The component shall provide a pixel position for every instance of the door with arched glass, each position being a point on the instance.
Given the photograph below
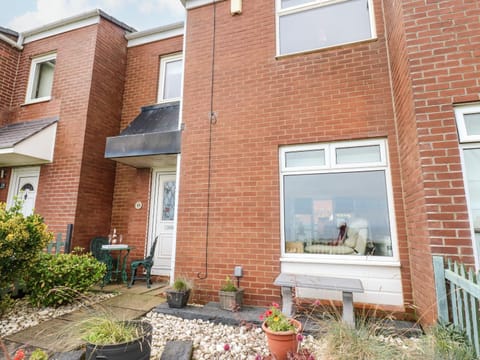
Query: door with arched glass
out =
(23, 185)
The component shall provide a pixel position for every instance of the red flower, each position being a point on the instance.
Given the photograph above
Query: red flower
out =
(268, 312)
(19, 355)
(275, 305)
(226, 347)
(299, 337)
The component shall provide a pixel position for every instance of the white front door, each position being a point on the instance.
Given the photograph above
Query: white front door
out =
(162, 213)
(23, 185)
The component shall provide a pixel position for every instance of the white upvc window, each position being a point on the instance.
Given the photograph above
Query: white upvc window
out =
(40, 81)
(306, 25)
(170, 82)
(468, 125)
(337, 201)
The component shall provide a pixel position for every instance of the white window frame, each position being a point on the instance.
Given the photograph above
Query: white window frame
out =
(164, 60)
(460, 112)
(335, 168)
(468, 142)
(31, 78)
(313, 5)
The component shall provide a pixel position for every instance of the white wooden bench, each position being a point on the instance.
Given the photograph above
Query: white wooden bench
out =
(345, 285)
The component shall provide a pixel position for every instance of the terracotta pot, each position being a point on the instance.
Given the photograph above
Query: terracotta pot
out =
(281, 343)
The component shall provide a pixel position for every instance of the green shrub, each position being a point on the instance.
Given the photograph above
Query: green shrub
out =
(59, 279)
(22, 240)
(447, 342)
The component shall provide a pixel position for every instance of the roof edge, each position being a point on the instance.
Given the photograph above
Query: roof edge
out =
(10, 42)
(76, 18)
(155, 34)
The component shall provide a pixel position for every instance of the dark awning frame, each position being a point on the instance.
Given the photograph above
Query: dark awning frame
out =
(152, 134)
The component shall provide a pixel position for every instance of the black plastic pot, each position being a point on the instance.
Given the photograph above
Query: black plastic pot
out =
(139, 349)
(177, 299)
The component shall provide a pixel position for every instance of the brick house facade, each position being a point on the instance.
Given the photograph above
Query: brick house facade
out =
(279, 144)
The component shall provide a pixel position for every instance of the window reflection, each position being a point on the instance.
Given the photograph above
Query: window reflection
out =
(317, 206)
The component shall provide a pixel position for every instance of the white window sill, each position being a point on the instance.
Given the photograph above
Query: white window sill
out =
(36, 101)
(342, 260)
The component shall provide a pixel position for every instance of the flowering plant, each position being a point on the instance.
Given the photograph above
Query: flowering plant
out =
(276, 320)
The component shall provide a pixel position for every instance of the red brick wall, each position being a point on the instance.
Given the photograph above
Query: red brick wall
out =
(77, 187)
(442, 48)
(263, 103)
(94, 208)
(131, 184)
(59, 181)
(9, 57)
(421, 288)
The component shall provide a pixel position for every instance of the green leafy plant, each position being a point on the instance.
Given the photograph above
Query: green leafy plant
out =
(447, 342)
(22, 240)
(276, 320)
(229, 285)
(38, 354)
(106, 330)
(59, 279)
(182, 284)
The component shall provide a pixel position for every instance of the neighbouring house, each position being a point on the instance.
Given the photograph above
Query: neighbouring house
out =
(337, 138)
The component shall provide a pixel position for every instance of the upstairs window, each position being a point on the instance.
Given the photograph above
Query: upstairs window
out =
(305, 25)
(41, 78)
(170, 84)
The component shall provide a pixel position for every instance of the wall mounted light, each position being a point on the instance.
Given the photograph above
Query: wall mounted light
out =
(238, 273)
(3, 173)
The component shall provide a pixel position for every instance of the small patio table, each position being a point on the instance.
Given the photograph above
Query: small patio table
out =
(121, 252)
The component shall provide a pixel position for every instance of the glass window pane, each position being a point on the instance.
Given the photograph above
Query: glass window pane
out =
(291, 3)
(168, 200)
(305, 158)
(173, 80)
(325, 26)
(358, 154)
(43, 82)
(472, 173)
(316, 206)
(472, 123)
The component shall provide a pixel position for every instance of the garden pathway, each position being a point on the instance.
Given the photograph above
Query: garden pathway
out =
(58, 335)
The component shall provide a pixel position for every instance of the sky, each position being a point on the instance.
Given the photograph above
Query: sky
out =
(21, 15)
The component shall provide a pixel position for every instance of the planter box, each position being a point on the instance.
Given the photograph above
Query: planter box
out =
(231, 300)
(138, 349)
(177, 299)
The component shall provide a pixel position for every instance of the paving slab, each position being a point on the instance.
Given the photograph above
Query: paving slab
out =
(112, 311)
(178, 350)
(52, 335)
(140, 302)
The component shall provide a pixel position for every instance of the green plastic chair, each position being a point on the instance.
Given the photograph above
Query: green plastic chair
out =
(147, 264)
(104, 256)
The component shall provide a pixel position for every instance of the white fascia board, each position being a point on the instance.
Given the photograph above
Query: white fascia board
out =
(192, 4)
(156, 34)
(39, 146)
(10, 42)
(58, 27)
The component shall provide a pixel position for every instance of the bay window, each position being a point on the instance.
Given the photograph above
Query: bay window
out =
(336, 199)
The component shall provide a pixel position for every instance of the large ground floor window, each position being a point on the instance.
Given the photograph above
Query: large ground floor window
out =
(468, 124)
(336, 199)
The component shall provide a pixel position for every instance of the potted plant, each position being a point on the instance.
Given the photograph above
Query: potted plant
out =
(112, 339)
(231, 297)
(282, 332)
(178, 295)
